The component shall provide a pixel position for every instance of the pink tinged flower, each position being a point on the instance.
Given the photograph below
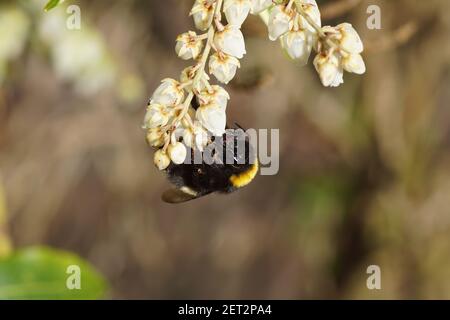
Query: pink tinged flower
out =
(231, 41)
(223, 67)
(236, 11)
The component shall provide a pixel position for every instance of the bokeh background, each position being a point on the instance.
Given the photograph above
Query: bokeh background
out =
(364, 169)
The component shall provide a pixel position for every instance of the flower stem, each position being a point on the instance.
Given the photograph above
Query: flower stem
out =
(322, 35)
(199, 68)
(308, 18)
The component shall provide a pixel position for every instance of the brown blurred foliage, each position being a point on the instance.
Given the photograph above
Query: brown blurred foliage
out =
(364, 176)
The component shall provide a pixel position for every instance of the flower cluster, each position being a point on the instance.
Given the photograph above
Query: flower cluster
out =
(297, 23)
(185, 113)
(171, 121)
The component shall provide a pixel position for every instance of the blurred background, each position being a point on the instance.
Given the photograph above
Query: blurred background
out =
(364, 169)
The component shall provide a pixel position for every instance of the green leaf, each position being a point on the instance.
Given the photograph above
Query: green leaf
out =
(41, 273)
(52, 4)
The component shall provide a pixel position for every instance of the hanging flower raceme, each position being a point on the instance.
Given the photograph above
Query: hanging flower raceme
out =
(298, 25)
(184, 113)
(339, 50)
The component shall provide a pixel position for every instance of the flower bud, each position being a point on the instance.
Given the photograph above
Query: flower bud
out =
(168, 93)
(260, 5)
(177, 152)
(155, 137)
(298, 45)
(212, 117)
(188, 46)
(280, 22)
(203, 14)
(236, 11)
(223, 67)
(354, 63)
(231, 41)
(161, 160)
(330, 70)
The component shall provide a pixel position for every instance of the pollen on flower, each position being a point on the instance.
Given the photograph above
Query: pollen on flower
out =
(188, 45)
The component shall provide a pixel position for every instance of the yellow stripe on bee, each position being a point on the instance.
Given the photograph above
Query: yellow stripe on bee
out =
(244, 178)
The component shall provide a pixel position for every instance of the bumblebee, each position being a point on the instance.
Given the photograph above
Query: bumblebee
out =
(194, 180)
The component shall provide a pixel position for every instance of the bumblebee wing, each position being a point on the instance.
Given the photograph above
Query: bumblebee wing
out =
(181, 195)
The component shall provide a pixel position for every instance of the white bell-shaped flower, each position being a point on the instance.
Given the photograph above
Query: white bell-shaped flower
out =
(350, 40)
(215, 95)
(156, 137)
(213, 118)
(260, 5)
(188, 45)
(194, 136)
(203, 13)
(311, 8)
(223, 67)
(168, 93)
(354, 63)
(330, 70)
(236, 11)
(231, 41)
(298, 45)
(161, 160)
(280, 22)
(177, 152)
(157, 115)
